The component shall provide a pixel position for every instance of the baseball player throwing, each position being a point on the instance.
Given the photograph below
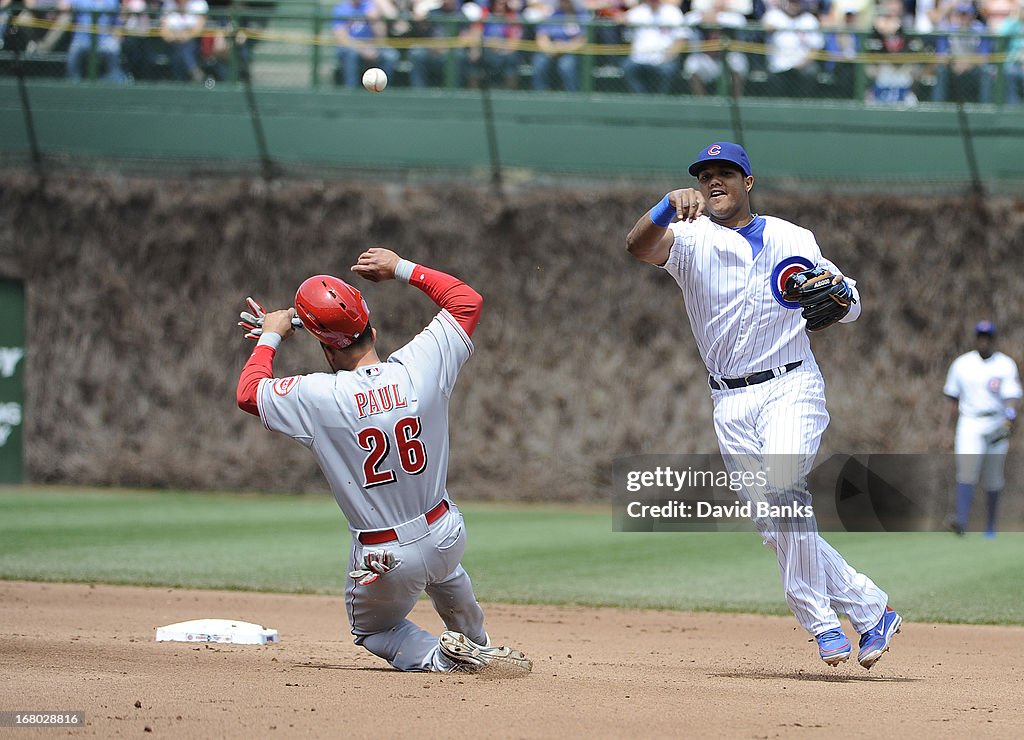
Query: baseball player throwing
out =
(984, 387)
(379, 431)
(752, 285)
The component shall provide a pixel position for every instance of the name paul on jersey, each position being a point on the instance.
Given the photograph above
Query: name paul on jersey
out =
(379, 400)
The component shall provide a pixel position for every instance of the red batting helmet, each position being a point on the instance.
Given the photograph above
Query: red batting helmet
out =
(331, 310)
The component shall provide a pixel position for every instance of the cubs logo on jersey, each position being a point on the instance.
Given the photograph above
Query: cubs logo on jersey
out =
(995, 385)
(782, 272)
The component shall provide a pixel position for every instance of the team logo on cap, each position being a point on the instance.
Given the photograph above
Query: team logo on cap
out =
(782, 272)
(714, 150)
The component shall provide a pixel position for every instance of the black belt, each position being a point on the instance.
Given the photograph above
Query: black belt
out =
(753, 378)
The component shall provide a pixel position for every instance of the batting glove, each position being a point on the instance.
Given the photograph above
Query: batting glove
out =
(375, 564)
(253, 322)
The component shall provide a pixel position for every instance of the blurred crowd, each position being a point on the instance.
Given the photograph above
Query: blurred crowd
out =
(934, 50)
(178, 40)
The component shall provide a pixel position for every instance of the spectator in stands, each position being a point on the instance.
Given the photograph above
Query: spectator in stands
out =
(794, 38)
(659, 34)
(610, 17)
(41, 27)
(398, 16)
(891, 82)
(842, 43)
(446, 21)
(964, 76)
(138, 47)
(104, 15)
(704, 68)
(1003, 17)
(925, 15)
(496, 55)
(5, 15)
(181, 26)
(558, 38)
(359, 29)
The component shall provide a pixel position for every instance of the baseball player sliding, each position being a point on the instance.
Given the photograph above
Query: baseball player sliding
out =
(379, 431)
(752, 285)
(984, 387)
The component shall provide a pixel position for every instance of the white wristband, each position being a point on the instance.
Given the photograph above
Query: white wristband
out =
(269, 339)
(404, 270)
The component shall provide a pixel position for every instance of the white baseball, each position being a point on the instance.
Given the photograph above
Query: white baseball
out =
(375, 80)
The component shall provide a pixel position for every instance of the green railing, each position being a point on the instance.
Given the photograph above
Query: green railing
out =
(294, 45)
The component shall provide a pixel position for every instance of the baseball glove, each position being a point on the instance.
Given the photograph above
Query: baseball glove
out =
(824, 297)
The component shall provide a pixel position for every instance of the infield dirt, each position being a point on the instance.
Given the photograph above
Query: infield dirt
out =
(597, 673)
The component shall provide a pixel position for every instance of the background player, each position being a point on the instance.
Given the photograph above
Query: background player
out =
(379, 431)
(769, 396)
(983, 385)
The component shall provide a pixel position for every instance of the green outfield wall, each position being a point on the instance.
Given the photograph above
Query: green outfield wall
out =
(601, 135)
(12, 355)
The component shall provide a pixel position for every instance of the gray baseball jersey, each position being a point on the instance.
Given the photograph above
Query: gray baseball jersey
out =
(379, 433)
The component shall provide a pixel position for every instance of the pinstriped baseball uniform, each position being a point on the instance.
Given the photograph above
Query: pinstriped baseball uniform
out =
(981, 386)
(732, 282)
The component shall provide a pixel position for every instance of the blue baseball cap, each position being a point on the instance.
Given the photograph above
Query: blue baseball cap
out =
(985, 327)
(722, 151)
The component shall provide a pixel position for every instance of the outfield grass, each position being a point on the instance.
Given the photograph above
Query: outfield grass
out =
(540, 554)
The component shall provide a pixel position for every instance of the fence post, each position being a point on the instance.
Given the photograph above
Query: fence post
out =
(233, 30)
(999, 89)
(93, 65)
(725, 78)
(451, 57)
(26, 109)
(489, 128)
(587, 63)
(314, 73)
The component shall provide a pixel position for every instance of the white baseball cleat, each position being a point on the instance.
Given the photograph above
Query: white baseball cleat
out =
(472, 657)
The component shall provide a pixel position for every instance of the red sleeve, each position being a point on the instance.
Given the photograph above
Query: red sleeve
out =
(451, 294)
(260, 365)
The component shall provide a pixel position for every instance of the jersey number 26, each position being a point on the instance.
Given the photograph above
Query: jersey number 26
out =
(412, 455)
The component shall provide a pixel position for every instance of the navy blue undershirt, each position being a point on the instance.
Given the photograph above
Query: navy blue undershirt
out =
(754, 234)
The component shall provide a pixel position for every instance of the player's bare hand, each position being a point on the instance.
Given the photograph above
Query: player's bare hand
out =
(280, 322)
(689, 203)
(376, 264)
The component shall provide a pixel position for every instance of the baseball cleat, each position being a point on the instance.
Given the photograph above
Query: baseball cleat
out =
(876, 640)
(955, 527)
(472, 657)
(833, 646)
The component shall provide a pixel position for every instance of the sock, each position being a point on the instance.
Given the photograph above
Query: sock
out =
(993, 501)
(964, 496)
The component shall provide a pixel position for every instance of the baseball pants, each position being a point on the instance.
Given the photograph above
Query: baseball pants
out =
(977, 459)
(776, 426)
(430, 561)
